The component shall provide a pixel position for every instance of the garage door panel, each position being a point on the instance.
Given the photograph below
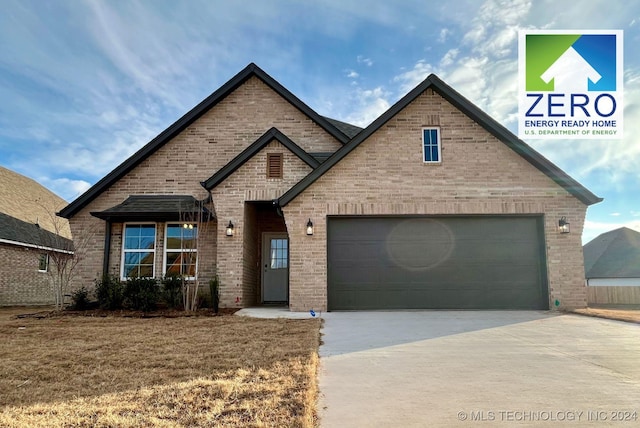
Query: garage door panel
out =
(453, 262)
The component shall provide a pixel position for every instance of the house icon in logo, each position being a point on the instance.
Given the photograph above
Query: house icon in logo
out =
(571, 73)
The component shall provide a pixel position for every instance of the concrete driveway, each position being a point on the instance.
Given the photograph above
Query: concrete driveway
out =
(464, 368)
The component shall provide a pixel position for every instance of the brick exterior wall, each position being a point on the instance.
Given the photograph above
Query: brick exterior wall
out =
(193, 156)
(385, 175)
(248, 183)
(22, 283)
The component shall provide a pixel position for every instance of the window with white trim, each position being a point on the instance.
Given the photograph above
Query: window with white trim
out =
(181, 250)
(431, 145)
(43, 262)
(138, 250)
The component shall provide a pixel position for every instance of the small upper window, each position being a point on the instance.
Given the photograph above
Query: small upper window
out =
(274, 165)
(431, 145)
(43, 263)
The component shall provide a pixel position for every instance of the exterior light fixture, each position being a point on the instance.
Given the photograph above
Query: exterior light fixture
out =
(309, 228)
(187, 226)
(563, 225)
(230, 229)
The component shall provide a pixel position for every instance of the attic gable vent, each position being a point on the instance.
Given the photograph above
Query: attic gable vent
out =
(274, 165)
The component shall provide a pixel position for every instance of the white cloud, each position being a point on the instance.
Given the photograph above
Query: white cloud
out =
(371, 103)
(67, 188)
(444, 33)
(615, 214)
(449, 57)
(352, 74)
(366, 61)
(485, 71)
(409, 79)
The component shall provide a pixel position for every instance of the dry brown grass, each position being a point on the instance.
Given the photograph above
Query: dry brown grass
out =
(629, 315)
(167, 372)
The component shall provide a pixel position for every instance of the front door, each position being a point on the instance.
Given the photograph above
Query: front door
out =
(275, 267)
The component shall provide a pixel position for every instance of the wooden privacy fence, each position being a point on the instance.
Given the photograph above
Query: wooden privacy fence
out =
(613, 295)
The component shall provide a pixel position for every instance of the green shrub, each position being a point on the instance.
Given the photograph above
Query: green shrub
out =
(109, 292)
(214, 290)
(172, 291)
(80, 300)
(141, 294)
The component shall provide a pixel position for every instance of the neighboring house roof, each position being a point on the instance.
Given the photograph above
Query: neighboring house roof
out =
(255, 147)
(17, 232)
(25, 199)
(473, 112)
(165, 136)
(155, 207)
(615, 254)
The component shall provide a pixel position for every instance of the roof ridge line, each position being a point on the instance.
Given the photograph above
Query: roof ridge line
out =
(187, 119)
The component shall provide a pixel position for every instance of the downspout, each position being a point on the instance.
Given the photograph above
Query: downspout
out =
(107, 248)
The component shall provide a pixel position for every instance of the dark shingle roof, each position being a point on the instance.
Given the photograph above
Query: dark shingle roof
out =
(15, 230)
(615, 254)
(154, 208)
(346, 128)
(473, 112)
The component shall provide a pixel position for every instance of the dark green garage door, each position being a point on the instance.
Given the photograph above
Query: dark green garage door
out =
(436, 263)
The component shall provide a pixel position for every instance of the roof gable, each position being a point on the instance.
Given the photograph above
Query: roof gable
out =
(474, 113)
(249, 152)
(614, 254)
(165, 136)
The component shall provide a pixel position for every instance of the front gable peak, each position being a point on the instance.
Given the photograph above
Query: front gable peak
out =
(253, 149)
(333, 128)
(465, 106)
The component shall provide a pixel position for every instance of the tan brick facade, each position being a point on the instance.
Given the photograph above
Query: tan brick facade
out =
(248, 183)
(385, 175)
(194, 155)
(23, 284)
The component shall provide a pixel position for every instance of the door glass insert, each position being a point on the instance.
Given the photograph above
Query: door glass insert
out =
(279, 253)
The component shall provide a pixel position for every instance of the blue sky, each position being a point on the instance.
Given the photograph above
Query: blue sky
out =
(84, 84)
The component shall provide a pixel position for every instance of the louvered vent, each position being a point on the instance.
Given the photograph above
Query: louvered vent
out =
(274, 165)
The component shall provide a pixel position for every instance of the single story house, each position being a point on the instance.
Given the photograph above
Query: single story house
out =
(433, 205)
(29, 234)
(612, 268)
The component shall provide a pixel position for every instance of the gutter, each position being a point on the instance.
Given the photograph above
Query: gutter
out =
(38, 247)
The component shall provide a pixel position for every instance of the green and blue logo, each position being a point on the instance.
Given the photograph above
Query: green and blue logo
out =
(570, 84)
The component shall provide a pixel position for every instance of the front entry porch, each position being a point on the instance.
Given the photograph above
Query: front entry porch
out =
(266, 254)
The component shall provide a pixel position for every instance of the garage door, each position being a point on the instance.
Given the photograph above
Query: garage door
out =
(436, 263)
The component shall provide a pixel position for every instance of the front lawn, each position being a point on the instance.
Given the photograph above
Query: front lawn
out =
(192, 371)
